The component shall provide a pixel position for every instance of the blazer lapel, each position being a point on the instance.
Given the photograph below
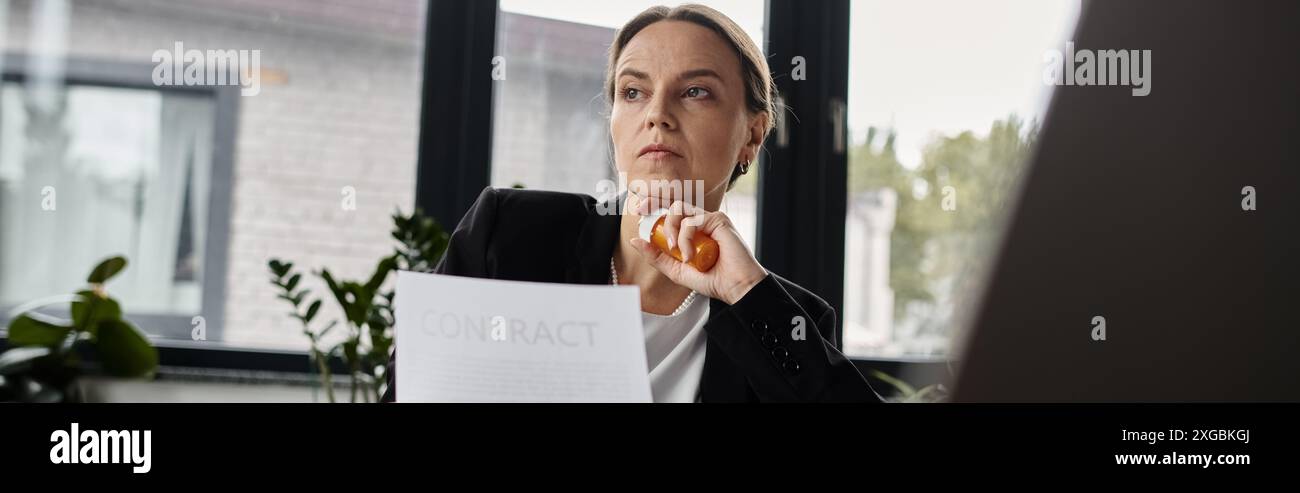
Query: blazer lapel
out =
(595, 244)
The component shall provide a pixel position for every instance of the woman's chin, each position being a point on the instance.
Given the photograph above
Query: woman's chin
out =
(664, 188)
(653, 178)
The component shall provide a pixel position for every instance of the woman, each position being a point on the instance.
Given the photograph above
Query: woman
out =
(690, 99)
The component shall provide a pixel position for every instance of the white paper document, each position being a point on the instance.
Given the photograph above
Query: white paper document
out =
(462, 339)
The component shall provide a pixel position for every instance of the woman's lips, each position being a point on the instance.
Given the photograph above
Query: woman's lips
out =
(658, 151)
(659, 155)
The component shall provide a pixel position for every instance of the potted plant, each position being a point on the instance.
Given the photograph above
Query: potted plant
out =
(367, 307)
(47, 354)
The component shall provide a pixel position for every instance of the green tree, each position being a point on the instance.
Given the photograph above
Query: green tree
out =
(933, 250)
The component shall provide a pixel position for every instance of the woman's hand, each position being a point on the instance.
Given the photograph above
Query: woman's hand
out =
(735, 273)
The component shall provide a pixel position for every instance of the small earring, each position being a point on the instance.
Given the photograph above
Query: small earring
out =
(744, 168)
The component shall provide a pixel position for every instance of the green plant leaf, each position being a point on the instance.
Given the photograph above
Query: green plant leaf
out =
(347, 296)
(279, 268)
(91, 308)
(334, 286)
(376, 321)
(106, 270)
(19, 359)
(311, 311)
(27, 331)
(293, 282)
(124, 351)
(903, 388)
(386, 266)
(358, 303)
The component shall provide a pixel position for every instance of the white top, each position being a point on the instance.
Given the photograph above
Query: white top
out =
(674, 350)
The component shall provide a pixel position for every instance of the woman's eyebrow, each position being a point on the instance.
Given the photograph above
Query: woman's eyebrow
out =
(689, 74)
(631, 72)
(699, 72)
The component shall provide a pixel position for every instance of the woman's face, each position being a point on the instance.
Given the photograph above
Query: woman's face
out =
(679, 85)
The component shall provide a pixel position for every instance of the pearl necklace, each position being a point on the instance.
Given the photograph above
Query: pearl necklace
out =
(613, 279)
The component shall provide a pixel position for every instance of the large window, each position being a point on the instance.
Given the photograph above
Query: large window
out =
(105, 170)
(315, 161)
(550, 117)
(945, 99)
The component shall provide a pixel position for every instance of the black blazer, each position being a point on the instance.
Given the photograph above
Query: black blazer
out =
(750, 356)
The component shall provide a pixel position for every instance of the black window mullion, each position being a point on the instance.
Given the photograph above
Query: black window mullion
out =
(455, 148)
(803, 185)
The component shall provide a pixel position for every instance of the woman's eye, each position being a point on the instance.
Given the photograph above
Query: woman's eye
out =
(629, 94)
(697, 92)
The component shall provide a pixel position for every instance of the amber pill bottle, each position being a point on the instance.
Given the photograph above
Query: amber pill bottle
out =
(651, 229)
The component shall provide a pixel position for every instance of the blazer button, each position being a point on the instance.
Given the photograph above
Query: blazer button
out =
(791, 367)
(769, 340)
(759, 326)
(780, 353)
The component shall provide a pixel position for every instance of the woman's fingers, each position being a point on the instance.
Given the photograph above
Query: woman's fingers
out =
(692, 217)
(661, 261)
(735, 273)
(689, 226)
(670, 225)
(681, 223)
(684, 239)
(673, 226)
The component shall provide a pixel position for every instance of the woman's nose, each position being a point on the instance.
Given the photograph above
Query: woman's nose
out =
(660, 114)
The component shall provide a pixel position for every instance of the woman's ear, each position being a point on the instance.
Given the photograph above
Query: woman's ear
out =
(757, 132)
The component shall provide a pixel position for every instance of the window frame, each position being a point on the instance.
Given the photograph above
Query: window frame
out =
(170, 328)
